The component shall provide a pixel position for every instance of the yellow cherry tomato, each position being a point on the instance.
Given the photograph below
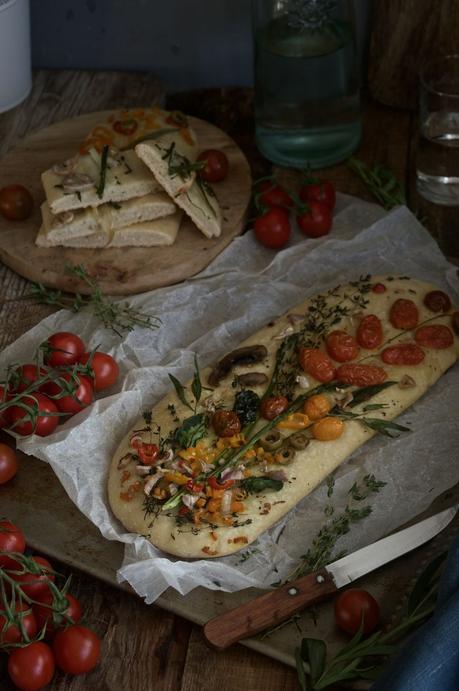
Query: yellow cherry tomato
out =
(317, 406)
(294, 421)
(328, 429)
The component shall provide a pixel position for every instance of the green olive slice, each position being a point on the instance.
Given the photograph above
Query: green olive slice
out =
(299, 440)
(271, 441)
(286, 455)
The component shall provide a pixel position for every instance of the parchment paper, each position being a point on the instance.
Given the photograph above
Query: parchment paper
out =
(210, 314)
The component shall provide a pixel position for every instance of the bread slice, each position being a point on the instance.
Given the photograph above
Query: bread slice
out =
(160, 232)
(98, 239)
(68, 225)
(126, 177)
(137, 210)
(170, 165)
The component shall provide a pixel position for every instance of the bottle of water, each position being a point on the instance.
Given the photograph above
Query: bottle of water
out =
(307, 99)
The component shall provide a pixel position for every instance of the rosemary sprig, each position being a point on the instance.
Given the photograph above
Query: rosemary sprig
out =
(103, 171)
(381, 182)
(119, 317)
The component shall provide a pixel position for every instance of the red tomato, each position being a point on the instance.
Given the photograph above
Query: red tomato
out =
(23, 613)
(4, 416)
(369, 333)
(78, 393)
(403, 354)
(8, 464)
(66, 610)
(226, 423)
(341, 346)
(404, 314)
(379, 288)
(76, 649)
(147, 453)
(43, 420)
(272, 229)
(32, 667)
(15, 203)
(360, 375)
(273, 406)
(437, 301)
(177, 119)
(11, 540)
(216, 165)
(126, 127)
(63, 348)
(316, 221)
(321, 191)
(354, 605)
(317, 363)
(434, 336)
(25, 375)
(104, 367)
(455, 322)
(34, 581)
(269, 193)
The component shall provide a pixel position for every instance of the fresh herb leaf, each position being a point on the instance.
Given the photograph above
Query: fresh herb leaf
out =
(426, 581)
(180, 391)
(384, 427)
(368, 486)
(255, 485)
(367, 392)
(196, 386)
(314, 652)
(381, 182)
(103, 171)
(330, 485)
(190, 431)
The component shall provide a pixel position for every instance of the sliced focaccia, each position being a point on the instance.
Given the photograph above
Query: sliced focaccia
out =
(206, 472)
(157, 233)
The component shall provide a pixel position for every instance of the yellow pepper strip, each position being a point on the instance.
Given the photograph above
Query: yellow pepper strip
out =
(294, 421)
(176, 477)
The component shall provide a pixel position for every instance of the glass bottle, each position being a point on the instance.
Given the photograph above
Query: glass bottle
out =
(307, 96)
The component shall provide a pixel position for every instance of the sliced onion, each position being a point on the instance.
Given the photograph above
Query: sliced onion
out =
(227, 498)
(173, 489)
(190, 500)
(277, 475)
(151, 482)
(231, 474)
(137, 438)
(142, 470)
(206, 467)
(295, 318)
(285, 332)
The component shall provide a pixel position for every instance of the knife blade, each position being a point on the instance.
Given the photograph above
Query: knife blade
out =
(277, 605)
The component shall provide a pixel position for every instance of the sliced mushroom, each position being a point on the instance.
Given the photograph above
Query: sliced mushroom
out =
(65, 168)
(299, 440)
(77, 182)
(62, 219)
(271, 440)
(406, 382)
(241, 356)
(252, 379)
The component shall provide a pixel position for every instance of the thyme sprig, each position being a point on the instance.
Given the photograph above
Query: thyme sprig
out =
(118, 317)
(381, 182)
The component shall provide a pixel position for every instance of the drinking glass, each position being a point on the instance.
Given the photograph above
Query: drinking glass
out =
(307, 99)
(437, 162)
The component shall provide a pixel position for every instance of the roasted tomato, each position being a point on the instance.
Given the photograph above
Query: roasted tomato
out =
(226, 423)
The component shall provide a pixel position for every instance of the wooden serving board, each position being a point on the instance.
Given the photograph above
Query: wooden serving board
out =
(119, 271)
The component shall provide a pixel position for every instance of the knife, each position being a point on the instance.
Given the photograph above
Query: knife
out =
(277, 605)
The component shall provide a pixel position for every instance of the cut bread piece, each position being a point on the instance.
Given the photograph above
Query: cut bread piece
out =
(137, 210)
(68, 224)
(76, 183)
(174, 173)
(160, 232)
(98, 239)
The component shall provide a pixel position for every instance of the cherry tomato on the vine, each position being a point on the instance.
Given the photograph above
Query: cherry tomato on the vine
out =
(4, 416)
(25, 375)
(15, 202)
(34, 582)
(63, 348)
(31, 667)
(12, 634)
(272, 229)
(354, 605)
(216, 165)
(56, 614)
(11, 540)
(105, 368)
(269, 193)
(37, 420)
(76, 649)
(78, 393)
(319, 191)
(8, 463)
(316, 220)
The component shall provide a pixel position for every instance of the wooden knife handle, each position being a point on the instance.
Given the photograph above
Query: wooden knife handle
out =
(269, 609)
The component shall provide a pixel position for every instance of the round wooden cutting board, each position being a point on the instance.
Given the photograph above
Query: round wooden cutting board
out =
(119, 271)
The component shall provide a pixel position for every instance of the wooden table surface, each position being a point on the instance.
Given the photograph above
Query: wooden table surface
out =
(164, 652)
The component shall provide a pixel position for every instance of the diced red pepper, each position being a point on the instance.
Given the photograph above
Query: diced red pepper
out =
(195, 487)
(215, 484)
(148, 453)
(184, 510)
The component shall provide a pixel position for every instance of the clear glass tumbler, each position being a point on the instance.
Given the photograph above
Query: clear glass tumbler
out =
(307, 96)
(437, 161)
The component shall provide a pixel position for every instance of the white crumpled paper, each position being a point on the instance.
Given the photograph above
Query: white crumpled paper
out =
(210, 314)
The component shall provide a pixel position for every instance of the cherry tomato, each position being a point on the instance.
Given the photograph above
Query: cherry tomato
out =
(321, 191)
(11, 540)
(317, 363)
(78, 394)
(403, 354)
(8, 464)
(360, 375)
(437, 301)
(404, 314)
(273, 406)
(455, 322)
(15, 203)
(434, 336)
(23, 613)
(148, 453)
(25, 375)
(58, 613)
(354, 605)
(216, 165)
(4, 416)
(379, 288)
(43, 420)
(126, 127)
(105, 368)
(226, 423)
(177, 119)
(369, 333)
(269, 193)
(272, 229)
(76, 649)
(32, 667)
(341, 346)
(34, 582)
(316, 221)
(63, 348)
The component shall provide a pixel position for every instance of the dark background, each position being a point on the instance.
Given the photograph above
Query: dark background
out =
(188, 43)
